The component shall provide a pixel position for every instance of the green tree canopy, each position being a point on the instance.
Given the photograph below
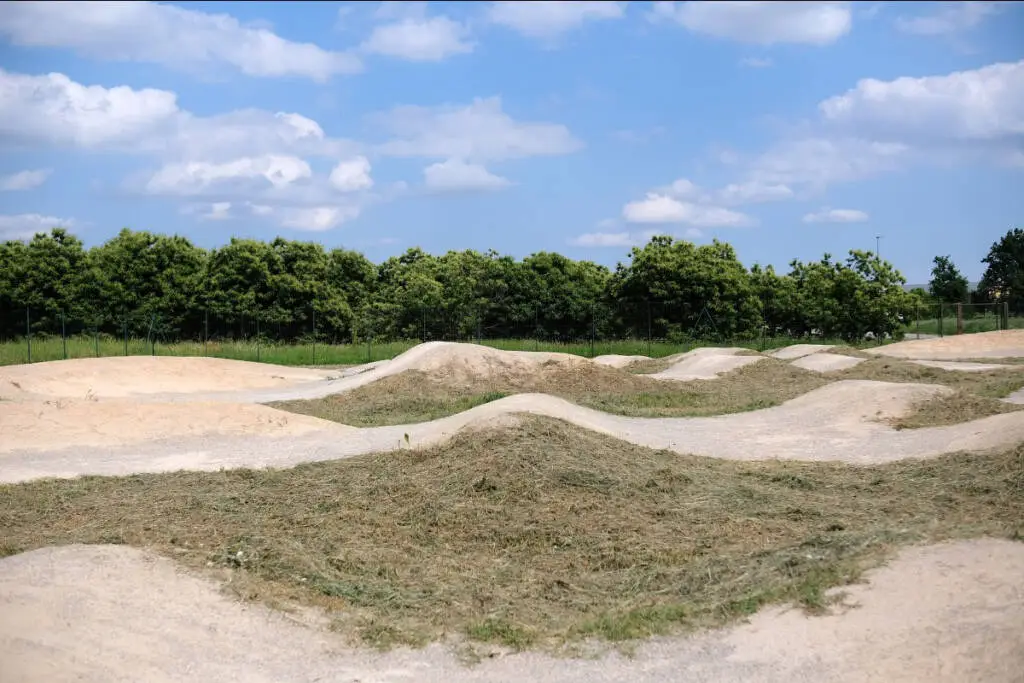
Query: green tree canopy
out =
(947, 284)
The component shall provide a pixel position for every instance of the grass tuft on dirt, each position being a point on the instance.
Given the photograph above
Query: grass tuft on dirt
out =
(959, 406)
(414, 396)
(533, 537)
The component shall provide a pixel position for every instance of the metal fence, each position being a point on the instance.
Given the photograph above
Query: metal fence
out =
(311, 336)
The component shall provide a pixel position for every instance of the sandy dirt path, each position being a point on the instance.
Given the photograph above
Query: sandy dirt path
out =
(838, 422)
(108, 614)
(1001, 344)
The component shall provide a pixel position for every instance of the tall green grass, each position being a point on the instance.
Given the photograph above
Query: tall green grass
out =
(54, 348)
(972, 325)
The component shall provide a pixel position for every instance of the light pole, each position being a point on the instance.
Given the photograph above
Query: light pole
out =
(878, 240)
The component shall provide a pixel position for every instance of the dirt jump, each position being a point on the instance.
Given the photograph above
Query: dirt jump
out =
(949, 612)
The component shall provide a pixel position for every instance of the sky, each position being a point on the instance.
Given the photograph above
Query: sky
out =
(788, 129)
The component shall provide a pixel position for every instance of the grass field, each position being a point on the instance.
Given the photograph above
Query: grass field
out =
(533, 537)
(54, 348)
(412, 396)
(947, 325)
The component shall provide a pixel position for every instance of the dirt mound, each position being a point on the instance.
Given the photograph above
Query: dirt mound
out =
(706, 363)
(795, 351)
(123, 376)
(1001, 344)
(962, 366)
(615, 360)
(826, 362)
(60, 423)
(455, 362)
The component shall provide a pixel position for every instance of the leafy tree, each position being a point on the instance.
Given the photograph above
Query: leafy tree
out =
(947, 284)
(706, 290)
(48, 278)
(1003, 279)
(152, 279)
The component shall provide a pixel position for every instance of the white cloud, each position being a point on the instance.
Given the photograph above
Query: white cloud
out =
(762, 23)
(168, 35)
(756, 62)
(352, 175)
(753, 192)
(52, 109)
(603, 239)
(455, 175)
(952, 17)
(199, 176)
(419, 40)
(818, 162)
(318, 218)
(25, 225)
(478, 132)
(24, 180)
(547, 19)
(260, 209)
(836, 216)
(219, 211)
(985, 104)
(660, 208)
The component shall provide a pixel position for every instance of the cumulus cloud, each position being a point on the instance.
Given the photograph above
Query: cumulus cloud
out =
(199, 176)
(951, 17)
(52, 109)
(455, 175)
(837, 216)
(24, 180)
(478, 132)
(762, 23)
(754, 192)
(352, 175)
(660, 208)
(317, 218)
(546, 19)
(420, 39)
(25, 225)
(603, 239)
(168, 35)
(985, 104)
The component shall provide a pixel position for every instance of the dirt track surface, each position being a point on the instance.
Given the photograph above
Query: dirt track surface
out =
(838, 422)
(1002, 344)
(943, 614)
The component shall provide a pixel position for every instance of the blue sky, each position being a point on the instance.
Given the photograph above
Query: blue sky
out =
(786, 129)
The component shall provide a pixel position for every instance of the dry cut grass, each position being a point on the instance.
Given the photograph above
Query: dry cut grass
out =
(413, 396)
(533, 537)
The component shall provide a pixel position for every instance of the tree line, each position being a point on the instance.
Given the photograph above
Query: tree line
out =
(669, 289)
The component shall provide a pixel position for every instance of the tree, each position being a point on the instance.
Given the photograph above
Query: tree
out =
(706, 291)
(1003, 279)
(947, 284)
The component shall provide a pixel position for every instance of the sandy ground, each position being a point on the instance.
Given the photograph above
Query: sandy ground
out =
(949, 613)
(705, 363)
(123, 376)
(615, 360)
(1002, 344)
(799, 351)
(826, 362)
(966, 366)
(839, 422)
(54, 424)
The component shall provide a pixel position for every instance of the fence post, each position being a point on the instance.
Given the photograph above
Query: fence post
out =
(28, 331)
(649, 340)
(423, 317)
(941, 322)
(63, 335)
(593, 328)
(96, 337)
(1006, 315)
(917, 318)
(124, 316)
(206, 328)
(257, 339)
(314, 336)
(959, 318)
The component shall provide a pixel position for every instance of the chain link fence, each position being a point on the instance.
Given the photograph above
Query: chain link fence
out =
(378, 331)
